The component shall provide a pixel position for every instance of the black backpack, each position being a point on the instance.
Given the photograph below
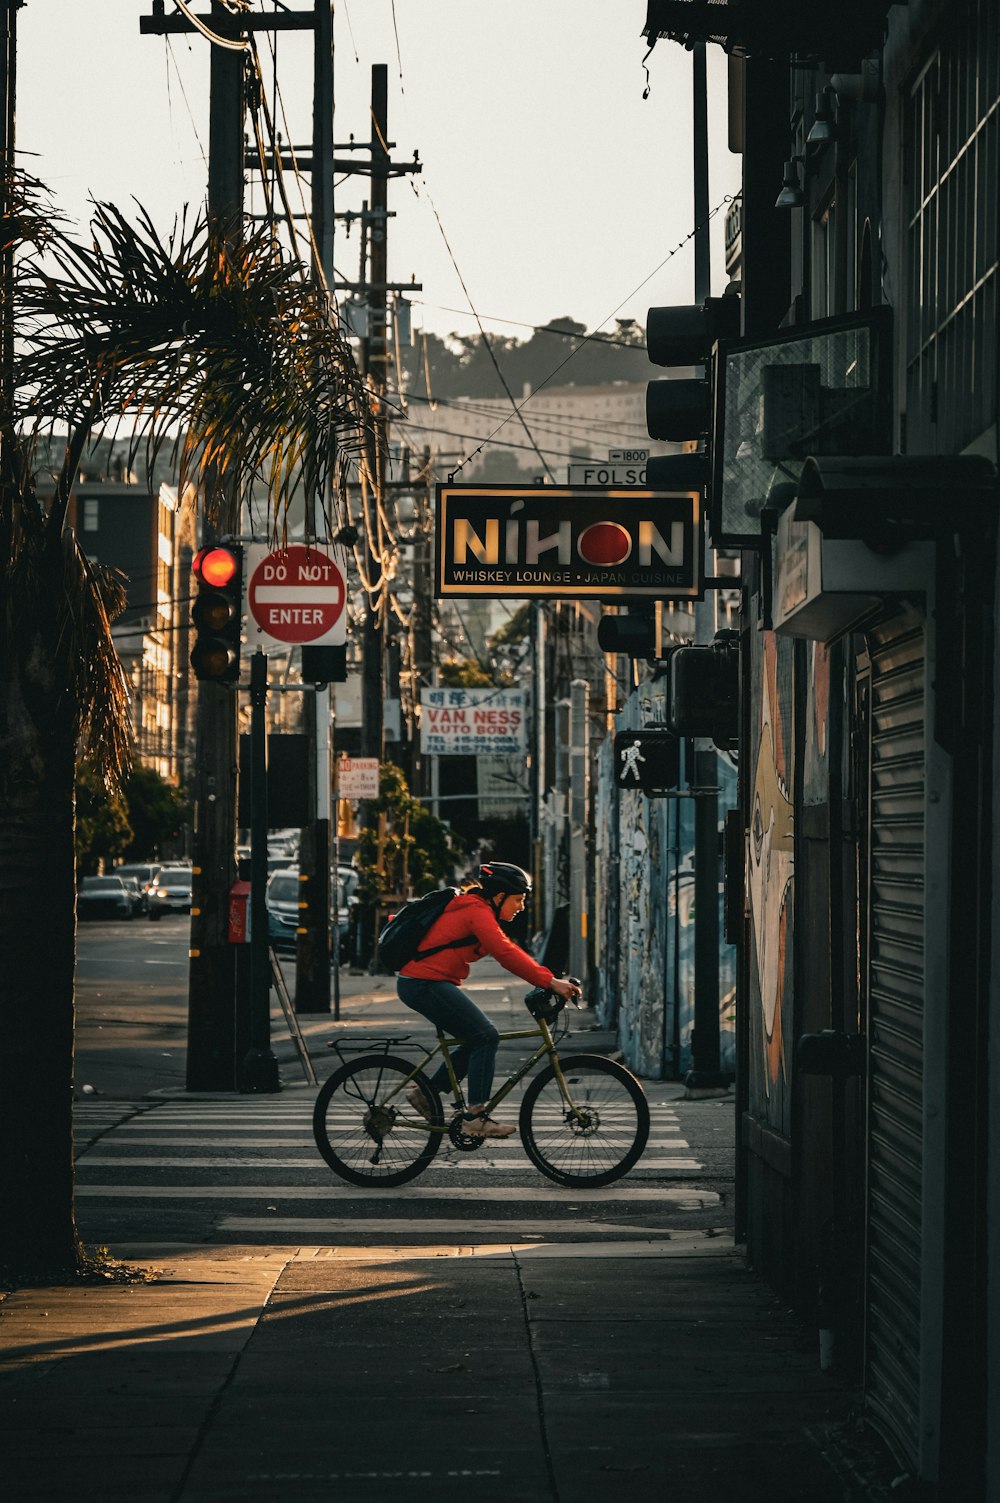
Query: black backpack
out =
(399, 941)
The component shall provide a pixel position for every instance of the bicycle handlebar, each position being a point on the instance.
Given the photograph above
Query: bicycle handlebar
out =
(547, 1005)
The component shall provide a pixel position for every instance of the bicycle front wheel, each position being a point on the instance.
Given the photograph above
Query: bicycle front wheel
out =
(594, 1138)
(367, 1130)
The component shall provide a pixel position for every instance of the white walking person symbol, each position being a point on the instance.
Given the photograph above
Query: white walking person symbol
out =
(631, 757)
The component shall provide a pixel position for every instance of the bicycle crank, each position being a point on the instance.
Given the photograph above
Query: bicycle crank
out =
(467, 1142)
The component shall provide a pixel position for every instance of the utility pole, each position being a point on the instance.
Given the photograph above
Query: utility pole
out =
(421, 642)
(375, 288)
(312, 969)
(212, 993)
(375, 367)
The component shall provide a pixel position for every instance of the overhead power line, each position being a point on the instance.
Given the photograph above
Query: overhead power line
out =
(727, 199)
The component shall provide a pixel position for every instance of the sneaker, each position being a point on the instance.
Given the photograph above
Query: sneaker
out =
(481, 1126)
(415, 1096)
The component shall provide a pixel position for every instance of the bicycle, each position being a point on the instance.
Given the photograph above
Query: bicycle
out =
(584, 1120)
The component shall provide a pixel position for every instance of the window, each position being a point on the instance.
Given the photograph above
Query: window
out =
(90, 514)
(951, 166)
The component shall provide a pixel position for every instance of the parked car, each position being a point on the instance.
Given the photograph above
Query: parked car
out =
(282, 899)
(172, 892)
(104, 898)
(144, 872)
(284, 893)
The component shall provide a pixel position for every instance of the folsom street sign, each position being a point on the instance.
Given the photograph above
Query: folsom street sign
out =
(296, 595)
(568, 542)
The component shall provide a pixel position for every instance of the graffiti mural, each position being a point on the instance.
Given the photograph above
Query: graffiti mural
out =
(645, 867)
(816, 753)
(770, 862)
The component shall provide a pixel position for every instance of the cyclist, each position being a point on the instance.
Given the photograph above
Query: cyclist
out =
(430, 986)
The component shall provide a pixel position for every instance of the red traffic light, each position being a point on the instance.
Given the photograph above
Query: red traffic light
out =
(215, 566)
(217, 613)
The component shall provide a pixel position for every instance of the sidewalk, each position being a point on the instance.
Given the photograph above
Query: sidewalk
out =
(521, 1371)
(501, 1374)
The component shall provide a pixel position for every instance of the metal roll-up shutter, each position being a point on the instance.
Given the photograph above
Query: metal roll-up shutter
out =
(895, 1025)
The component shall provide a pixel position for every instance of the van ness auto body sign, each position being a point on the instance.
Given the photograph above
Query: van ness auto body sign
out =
(568, 542)
(296, 595)
(472, 722)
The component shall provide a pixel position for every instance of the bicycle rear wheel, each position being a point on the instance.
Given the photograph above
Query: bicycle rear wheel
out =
(597, 1139)
(366, 1129)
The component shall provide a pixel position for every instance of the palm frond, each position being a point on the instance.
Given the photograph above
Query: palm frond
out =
(222, 341)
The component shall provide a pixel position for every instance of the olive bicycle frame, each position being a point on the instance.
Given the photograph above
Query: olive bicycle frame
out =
(442, 1046)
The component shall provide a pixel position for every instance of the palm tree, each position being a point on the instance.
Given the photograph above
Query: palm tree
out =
(226, 349)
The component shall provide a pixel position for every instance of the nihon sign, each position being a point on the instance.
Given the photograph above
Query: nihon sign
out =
(296, 595)
(568, 542)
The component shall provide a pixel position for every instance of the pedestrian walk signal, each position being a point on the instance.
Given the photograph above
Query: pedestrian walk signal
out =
(217, 613)
(649, 760)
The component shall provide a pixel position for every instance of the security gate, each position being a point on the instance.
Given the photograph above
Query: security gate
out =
(895, 1024)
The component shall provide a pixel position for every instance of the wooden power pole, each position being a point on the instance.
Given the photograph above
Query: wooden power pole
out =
(212, 998)
(214, 1031)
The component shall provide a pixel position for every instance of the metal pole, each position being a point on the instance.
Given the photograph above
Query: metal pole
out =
(336, 886)
(705, 1041)
(579, 809)
(8, 96)
(258, 1070)
(702, 243)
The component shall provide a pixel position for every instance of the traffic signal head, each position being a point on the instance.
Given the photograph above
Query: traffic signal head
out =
(685, 335)
(648, 761)
(217, 613)
(704, 690)
(633, 635)
(678, 410)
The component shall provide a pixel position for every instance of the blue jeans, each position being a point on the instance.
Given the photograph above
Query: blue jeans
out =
(446, 1006)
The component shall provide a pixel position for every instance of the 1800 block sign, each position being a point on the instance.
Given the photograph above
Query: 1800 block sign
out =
(568, 542)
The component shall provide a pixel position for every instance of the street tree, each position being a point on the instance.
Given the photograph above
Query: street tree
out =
(409, 849)
(211, 341)
(103, 828)
(156, 812)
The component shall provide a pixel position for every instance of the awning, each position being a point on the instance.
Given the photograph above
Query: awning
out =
(772, 28)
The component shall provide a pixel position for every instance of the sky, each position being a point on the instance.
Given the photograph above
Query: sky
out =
(551, 187)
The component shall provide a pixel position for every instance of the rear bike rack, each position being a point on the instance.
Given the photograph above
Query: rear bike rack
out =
(359, 1044)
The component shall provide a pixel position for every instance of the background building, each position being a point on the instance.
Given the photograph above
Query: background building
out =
(857, 424)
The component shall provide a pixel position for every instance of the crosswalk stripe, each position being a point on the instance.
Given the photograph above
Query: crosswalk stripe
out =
(690, 1198)
(468, 1161)
(669, 1142)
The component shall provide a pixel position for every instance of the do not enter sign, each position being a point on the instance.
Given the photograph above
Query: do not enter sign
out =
(296, 595)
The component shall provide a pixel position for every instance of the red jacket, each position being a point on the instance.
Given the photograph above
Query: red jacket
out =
(469, 914)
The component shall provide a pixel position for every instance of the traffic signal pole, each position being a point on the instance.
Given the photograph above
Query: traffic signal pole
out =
(704, 1075)
(258, 1069)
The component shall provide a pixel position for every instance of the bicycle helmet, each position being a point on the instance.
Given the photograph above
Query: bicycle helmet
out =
(502, 876)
